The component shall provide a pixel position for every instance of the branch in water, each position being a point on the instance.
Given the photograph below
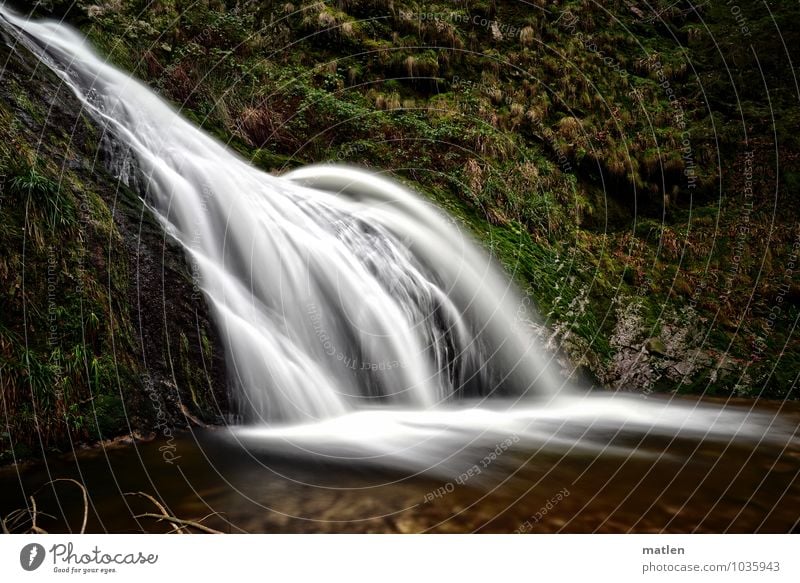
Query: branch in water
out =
(180, 522)
(85, 499)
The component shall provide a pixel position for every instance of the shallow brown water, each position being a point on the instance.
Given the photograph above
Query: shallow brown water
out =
(677, 486)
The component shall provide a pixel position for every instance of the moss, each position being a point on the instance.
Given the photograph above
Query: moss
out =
(562, 154)
(109, 417)
(67, 344)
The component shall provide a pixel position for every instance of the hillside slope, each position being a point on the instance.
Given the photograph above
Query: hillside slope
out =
(632, 164)
(100, 332)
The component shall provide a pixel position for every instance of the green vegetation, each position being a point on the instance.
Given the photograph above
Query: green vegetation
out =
(58, 373)
(611, 154)
(71, 358)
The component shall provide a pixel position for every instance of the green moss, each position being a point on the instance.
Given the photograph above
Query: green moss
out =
(109, 418)
(578, 211)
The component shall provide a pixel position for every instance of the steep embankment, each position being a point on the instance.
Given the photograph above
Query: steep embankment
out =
(100, 331)
(633, 164)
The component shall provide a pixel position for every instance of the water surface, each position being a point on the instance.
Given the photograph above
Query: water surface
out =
(662, 484)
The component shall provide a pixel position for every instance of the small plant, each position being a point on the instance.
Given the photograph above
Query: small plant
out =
(46, 197)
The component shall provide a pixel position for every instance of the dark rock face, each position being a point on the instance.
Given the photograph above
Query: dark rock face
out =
(178, 346)
(165, 365)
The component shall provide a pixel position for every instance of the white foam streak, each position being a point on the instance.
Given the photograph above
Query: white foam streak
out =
(354, 313)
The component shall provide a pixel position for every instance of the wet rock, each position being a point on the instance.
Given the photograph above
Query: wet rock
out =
(161, 325)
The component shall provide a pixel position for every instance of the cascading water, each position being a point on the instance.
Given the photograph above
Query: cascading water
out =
(354, 314)
(325, 301)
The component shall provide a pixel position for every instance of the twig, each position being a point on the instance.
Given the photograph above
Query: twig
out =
(208, 516)
(157, 504)
(15, 516)
(180, 521)
(33, 513)
(85, 499)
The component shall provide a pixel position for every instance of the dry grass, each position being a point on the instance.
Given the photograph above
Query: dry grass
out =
(570, 128)
(527, 36)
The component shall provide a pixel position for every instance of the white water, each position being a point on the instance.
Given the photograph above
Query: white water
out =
(358, 321)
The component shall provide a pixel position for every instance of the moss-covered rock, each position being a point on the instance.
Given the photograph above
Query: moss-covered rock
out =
(97, 304)
(597, 149)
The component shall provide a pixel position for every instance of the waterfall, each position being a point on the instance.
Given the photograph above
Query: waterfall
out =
(334, 288)
(350, 308)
